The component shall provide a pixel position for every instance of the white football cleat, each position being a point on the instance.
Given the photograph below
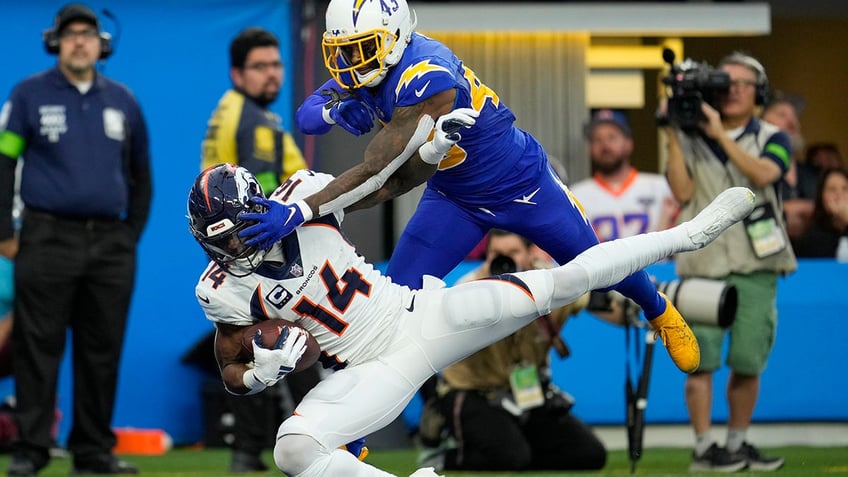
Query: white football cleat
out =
(729, 207)
(426, 472)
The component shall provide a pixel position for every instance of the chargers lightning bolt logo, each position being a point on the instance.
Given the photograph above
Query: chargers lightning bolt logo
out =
(417, 71)
(357, 6)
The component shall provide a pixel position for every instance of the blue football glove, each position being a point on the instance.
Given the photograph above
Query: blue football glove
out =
(357, 448)
(276, 222)
(349, 113)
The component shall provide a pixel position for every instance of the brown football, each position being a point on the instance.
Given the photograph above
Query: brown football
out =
(271, 330)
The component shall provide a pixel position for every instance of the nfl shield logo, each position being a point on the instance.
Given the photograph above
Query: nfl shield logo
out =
(296, 270)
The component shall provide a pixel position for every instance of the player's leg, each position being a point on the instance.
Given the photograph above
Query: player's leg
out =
(557, 209)
(726, 209)
(348, 404)
(476, 314)
(438, 236)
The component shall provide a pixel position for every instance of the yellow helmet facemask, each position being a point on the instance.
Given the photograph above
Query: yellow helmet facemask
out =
(358, 61)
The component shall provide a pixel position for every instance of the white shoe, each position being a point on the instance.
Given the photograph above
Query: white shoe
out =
(729, 207)
(425, 472)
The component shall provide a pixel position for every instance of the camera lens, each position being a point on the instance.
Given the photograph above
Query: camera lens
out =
(502, 264)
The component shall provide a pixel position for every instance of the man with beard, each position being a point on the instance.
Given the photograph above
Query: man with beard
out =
(242, 130)
(619, 200)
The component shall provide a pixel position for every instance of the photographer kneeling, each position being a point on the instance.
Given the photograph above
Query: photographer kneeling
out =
(499, 404)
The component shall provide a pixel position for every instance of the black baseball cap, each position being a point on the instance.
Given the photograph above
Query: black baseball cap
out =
(75, 12)
(608, 116)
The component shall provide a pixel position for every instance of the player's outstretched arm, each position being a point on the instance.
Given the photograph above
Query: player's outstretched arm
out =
(331, 105)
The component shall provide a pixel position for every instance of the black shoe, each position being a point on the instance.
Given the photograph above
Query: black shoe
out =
(717, 459)
(102, 464)
(757, 461)
(22, 464)
(245, 462)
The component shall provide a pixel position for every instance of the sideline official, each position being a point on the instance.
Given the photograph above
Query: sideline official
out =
(86, 189)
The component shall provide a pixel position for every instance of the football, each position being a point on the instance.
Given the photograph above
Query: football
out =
(271, 330)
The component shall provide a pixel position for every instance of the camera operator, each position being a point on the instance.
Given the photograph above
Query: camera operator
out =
(732, 147)
(500, 406)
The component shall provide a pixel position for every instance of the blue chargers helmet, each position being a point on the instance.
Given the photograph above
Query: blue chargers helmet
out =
(216, 200)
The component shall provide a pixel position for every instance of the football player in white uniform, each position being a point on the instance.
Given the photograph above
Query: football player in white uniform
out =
(619, 200)
(384, 339)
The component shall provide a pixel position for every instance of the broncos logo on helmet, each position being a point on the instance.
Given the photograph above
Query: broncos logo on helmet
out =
(218, 197)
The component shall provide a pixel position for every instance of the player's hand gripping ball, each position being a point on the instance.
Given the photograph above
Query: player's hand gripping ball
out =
(269, 333)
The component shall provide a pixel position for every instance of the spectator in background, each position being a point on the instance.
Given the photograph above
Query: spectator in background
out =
(497, 424)
(828, 236)
(734, 148)
(86, 189)
(798, 186)
(822, 156)
(243, 131)
(619, 200)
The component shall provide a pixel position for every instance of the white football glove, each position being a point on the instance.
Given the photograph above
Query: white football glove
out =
(447, 134)
(271, 365)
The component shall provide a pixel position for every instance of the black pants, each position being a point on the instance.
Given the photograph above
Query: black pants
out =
(78, 274)
(250, 412)
(548, 437)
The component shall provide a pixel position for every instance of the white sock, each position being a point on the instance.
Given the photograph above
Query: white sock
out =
(703, 441)
(735, 438)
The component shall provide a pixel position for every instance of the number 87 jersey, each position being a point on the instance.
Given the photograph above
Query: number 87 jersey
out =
(315, 278)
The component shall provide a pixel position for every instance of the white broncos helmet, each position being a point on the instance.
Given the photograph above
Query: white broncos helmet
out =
(364, 38)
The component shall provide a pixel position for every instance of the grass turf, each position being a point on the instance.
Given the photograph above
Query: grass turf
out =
(194, 462)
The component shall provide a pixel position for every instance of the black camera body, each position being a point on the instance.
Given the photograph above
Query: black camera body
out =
(691, 84)
(501, 264)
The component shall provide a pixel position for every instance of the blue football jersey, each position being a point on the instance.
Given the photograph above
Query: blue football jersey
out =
(487, 164)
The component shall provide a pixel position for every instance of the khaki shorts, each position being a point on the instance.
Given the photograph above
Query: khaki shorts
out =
(753, 331)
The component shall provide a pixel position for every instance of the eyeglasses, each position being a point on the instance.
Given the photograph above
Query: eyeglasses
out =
(87, 34)
(262, 67)
(739, 83)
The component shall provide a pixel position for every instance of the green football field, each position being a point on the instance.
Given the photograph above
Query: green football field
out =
(191, 462)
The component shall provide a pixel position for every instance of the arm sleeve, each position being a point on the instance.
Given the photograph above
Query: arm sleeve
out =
(310, 115)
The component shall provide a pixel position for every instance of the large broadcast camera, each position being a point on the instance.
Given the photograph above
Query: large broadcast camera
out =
(691, 83)
(700, 301)
(703, 301)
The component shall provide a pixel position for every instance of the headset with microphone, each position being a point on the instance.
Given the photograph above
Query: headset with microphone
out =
(761, 95)
(76, 11)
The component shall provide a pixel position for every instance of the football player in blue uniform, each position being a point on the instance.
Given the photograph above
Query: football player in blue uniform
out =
(481, 170)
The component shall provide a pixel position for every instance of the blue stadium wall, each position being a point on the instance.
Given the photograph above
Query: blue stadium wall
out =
(173, 55)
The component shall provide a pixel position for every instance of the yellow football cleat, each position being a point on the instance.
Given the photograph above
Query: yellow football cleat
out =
(677, 337)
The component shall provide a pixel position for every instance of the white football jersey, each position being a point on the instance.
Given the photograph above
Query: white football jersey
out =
(322, 284)
(634, 208)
